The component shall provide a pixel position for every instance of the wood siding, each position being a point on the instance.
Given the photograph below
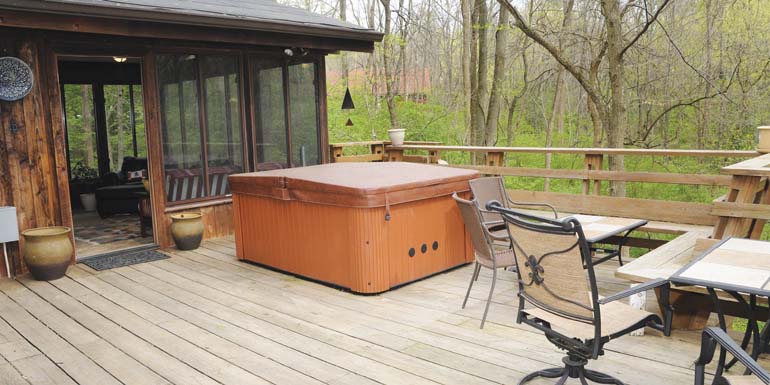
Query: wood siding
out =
(355, 248)
(33, 166)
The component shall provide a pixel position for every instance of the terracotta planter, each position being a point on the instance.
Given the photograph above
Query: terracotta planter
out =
(187, 230)
(47, 251)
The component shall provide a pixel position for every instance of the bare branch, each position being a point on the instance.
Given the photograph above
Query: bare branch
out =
(646, 26)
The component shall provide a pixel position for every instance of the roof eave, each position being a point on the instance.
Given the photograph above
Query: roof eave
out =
(198, 20)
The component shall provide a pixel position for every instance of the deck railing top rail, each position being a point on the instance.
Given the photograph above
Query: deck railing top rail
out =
(584, 151)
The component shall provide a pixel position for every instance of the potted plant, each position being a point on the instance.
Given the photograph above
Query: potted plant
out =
(397, 136)
(86, 179)
(187, 230)
(47, 251)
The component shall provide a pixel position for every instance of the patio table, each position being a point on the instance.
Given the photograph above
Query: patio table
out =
(739, 267)
(600, 230)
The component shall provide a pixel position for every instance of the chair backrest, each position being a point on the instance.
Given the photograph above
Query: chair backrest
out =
(489, 189)
(482, 244)
(550, 255)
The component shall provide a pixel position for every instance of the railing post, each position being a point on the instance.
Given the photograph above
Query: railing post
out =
(434, 156)
(395, 155)
(592, 162)
(335, 152)
(378, 149)
(495, 158)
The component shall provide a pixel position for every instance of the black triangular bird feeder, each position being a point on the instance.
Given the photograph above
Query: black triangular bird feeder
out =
(347, 102)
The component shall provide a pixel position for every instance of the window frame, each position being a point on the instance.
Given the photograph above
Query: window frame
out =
(202, 119)
(317, 61)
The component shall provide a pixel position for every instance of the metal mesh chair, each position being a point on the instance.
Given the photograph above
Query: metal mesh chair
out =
(755, 374)
(561, 297)
(486, 254)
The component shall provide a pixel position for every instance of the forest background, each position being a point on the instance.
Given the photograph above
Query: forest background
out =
(689, 74)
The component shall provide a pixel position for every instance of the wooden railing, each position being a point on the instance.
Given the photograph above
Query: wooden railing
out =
(742, 211)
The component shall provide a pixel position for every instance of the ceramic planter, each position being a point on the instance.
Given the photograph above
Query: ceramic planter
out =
(187, 230)
(763, 145)
(88, 201)
(47, 252)
(397, 136)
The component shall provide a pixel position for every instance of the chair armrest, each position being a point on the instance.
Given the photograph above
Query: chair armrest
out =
(655, 283)
(535, 204)
(491, 226)
(716, 335)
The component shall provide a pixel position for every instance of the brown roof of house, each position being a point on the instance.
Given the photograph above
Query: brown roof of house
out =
(258, 15)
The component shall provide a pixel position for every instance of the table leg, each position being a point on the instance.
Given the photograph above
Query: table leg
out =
(752, 329)
(5, 257)
(723, 326)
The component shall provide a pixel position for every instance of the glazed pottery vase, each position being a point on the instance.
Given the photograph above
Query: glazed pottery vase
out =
(397, 136)
(47, 252)
(187, 230)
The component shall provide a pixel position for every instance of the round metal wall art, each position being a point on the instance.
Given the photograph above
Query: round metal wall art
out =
(16, 79)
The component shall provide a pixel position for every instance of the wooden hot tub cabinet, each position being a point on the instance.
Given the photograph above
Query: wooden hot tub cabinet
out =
(367, 227)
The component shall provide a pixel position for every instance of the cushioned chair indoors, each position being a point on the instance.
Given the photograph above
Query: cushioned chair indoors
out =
(713, 337)
(558, 294)
(487, 253)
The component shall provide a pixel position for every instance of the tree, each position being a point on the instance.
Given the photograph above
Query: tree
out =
(611, 111)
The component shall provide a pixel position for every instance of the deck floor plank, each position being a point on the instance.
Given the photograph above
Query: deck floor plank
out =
(204, 318)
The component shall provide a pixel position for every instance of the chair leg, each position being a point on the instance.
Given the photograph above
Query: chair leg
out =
(474, 276)
(574, 367)
(489, 299)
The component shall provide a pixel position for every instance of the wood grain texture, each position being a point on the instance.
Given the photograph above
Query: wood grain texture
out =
(33, 177)
(355, 248)
(654, 210)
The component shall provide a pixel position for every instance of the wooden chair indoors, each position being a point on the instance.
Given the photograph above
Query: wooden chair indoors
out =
(558, 294)
(487, 253)
(713, 337)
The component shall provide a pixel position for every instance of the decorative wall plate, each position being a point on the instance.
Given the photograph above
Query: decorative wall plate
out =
(16, 79)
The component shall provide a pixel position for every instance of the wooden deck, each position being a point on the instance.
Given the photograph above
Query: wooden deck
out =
(202, 317)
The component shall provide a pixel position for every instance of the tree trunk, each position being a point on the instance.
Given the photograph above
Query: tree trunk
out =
(557, 112)
(88, 125)
(616, 119)
(119, 128)
(343, 5)
(387, 52)
(466, 6)
(478, 113)
(501, 59)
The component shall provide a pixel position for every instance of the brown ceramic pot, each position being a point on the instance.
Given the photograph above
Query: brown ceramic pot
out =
(187, 230)
(47, 252)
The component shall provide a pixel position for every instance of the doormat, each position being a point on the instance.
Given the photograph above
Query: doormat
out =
(112, 261)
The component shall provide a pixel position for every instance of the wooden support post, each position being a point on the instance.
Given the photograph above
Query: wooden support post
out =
(743, 189)
(758, 225)
(395, 155)
(592, 162)
(378, 149)
(335, 152)
(495, 159)
(434, 156)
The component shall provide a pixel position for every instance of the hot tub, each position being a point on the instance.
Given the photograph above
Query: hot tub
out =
(367, 227)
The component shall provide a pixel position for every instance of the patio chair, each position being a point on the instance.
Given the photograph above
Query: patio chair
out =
(492, 188)
(485, 251)
(712, 337)
(558, 295)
